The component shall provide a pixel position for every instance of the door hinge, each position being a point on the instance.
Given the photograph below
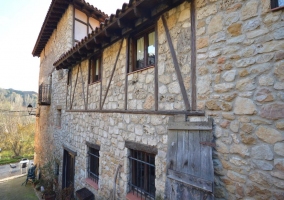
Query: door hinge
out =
(211, 144)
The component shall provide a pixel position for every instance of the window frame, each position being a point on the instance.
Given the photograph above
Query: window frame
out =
(133, 48)
(146, 192)
(69, 77)
(92, 69)
(275, 5)
(93, 176)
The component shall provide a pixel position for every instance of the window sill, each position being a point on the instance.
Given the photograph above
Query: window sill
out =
(92, 183)
(93, 83)
(139, 70)
(277, 8)
(131, 196)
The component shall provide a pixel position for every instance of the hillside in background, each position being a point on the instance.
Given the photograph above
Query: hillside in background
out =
(17, 97)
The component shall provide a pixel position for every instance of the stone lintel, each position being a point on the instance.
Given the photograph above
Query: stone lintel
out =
(92, 145)
(141, 147)
(74, 153)
(190, 125)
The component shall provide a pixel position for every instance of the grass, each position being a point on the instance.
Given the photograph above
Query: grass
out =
(7, 157)
(13, 189)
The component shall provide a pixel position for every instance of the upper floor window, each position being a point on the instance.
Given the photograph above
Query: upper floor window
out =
(95, 70)
(142, 181)
(69, 77)
(277, 3)
(83, 25)
(143, 49)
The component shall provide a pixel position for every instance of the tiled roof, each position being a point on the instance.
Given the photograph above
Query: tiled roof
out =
(53, 16)
(125, 20)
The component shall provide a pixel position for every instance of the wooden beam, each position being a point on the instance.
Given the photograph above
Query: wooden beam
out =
(113, 70)
(145, 112)
(156, 92)
(176, 65)
(193, 55)
(141, 147)
(126, 74)
(74, 89)
(83, 85)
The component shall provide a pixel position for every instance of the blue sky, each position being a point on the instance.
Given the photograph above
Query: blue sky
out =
(20, 23)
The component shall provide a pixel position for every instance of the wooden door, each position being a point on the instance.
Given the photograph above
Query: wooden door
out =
(68, 169)
(190, 172)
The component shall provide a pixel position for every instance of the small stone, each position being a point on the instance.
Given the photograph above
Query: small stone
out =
(213, 105)
(234, 126)
(279, 148)
(243, 73)
(277, 174)
(269, 135)
(279, 163)
(249, 10)
(229, 76)
(279, 70)
(264, 95)
(279, 55)
(280, 125)
(203, 84)
(244, 106)
(260, 178)
(246, 84)
(224, 87)
(278, 183)
(272, 111)
(256, 33)
(279, 33)
(241, 63)
(228, 116)
(221, 147)
(240, 149)
(262, 152)
(248, 139)
(216, 24)
(229, 97)
(235, 29)
(266, 80)
(247, 128)
(279, 86)
(263, 165)
(263, 58)
(202, 42)
(236, 177)
(251, 24)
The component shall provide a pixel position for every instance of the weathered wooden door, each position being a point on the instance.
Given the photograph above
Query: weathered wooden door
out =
(190, 172)
(68, 169)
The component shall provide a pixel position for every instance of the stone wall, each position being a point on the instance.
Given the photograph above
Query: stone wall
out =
(240, 84)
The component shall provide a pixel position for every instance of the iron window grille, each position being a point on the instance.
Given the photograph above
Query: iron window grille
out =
(142, 181)
(93, 169)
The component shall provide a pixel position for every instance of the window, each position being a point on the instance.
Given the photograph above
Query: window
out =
(58, 121)
(93, 169)
(143, 49)
(277, 3)
(83, 25)
(95, 70)
(69, 77)
(142, 180)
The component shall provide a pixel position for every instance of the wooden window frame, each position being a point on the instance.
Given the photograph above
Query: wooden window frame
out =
(92, 69)
(144, 167)
(275, 5)
(133, 48)
(59, 118)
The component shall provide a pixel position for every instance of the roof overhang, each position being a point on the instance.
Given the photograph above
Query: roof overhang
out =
(133, 15)
(56, 10)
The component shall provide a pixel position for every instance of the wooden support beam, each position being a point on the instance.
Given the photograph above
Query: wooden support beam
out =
(156, 92)
(83, 85)
(113, 70)
(126, 74)
(176, 65)
(193, 55)
(74, 89)
(142, 12)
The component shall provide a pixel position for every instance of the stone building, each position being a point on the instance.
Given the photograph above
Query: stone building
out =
(165, 99)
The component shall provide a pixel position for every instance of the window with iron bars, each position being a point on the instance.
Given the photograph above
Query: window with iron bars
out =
(142, 180)
(93, 170)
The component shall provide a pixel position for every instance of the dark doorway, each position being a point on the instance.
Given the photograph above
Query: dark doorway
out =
(68, 169)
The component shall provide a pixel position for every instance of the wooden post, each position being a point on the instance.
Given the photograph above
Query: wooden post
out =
(176, 65)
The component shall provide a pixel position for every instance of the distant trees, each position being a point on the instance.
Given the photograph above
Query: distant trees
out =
(17, 129)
